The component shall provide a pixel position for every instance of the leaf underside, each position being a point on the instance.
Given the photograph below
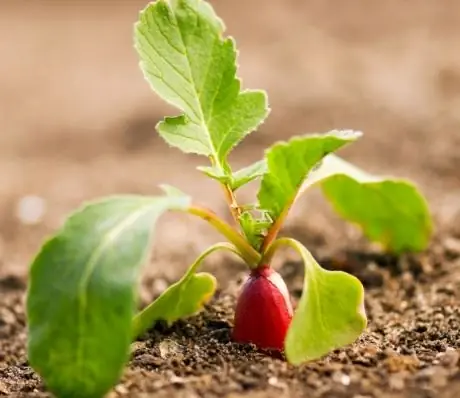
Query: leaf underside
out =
(289, 164)
(390, 211)
(186, 297)
(81, 295)
(182, 299)
(285, 168)
(329, 315)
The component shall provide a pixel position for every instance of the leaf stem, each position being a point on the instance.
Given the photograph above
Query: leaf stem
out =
(271, 234)
(145, 319)
(247, 252)
(235, 210)
(294, 244)
(230, 198)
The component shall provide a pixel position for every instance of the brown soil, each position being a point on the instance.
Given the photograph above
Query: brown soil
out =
(77, 122)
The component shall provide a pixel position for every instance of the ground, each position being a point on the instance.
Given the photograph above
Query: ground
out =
(77, 122)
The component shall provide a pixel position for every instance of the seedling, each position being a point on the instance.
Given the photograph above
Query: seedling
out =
(82, 290)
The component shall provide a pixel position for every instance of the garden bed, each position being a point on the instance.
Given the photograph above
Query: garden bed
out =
(411, 347)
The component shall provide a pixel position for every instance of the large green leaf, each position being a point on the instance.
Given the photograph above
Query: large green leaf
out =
(190, 65)
(329, 315)
(389, 210)
(184, 298)
(289, 164)
(81, 296)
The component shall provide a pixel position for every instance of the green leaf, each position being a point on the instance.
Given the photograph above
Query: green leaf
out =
(248, 174)
(390, 211)
(216, 173)
(182, 299)
(191, 66)
(329, 315)
(289, 164)
(172, 191)
(239, 178)
(82, 295)
(254, 228)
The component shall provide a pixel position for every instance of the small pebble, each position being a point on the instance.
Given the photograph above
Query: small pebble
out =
(341, 378)
(3, 389)
(274, 382)
(435, 374)
(31, 209)
(159, 285)
(396, 382)
(450, 358)
(177, 380)
(169, 348)
(121, 389)
(452, 245)
(7, 317)
(345, 380)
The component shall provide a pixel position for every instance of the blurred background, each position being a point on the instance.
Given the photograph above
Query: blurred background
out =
(77, 119)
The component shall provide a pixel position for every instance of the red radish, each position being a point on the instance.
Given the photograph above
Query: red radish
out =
(263, 311)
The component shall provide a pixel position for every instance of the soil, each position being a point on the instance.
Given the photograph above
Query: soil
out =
(77, 123)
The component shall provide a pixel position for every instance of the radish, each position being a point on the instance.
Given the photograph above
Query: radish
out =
(263, 311)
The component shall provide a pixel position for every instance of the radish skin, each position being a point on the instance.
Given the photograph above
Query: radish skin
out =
(263, 311)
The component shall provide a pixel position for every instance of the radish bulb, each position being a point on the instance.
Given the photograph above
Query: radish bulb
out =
(263, 310)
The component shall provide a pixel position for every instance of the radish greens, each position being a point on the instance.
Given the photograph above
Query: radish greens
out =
(82, 295)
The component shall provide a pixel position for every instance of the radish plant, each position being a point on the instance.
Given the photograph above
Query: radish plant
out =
(82, 298)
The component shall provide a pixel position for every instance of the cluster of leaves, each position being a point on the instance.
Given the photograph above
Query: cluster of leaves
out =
(82, 293)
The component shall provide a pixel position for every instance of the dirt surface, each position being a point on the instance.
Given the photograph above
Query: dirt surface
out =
(411, 348)
(77, 123)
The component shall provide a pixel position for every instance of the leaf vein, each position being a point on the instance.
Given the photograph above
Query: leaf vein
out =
(187, 58)
(89, 267)
(168, 40)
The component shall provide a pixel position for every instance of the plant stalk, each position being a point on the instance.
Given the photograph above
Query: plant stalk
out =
(229, 197)
(294, 244)
(147, 317)
(232, 203)
(248, 253)
(271, 234)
